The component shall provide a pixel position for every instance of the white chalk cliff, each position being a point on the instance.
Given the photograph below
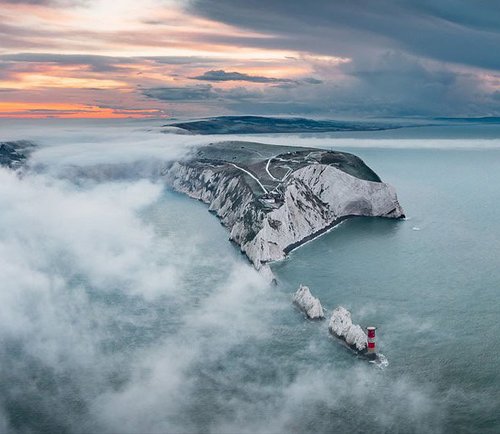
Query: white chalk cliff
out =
(341, 325)
(309, 304)
(316, 197)
(313, 198)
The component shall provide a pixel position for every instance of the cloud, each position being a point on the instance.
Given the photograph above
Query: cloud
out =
(311, 80)
(95, 62)
(221, 75)
(463, 33)
(120, 316)
(99, 63)
(79, 144)
(202, 93)
(347, 60)
(391, 84)
(102, 63)
(397, 84)
(50, 3)
(90, 278)
(181, 94)
(184, 60)
(95, 273)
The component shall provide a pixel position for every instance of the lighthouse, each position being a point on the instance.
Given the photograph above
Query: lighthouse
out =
(371, 339)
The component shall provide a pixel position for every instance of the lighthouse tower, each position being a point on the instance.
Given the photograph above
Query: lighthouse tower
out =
(371, 339)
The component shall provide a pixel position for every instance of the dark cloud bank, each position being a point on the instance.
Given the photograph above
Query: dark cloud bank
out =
(407, 58)
(221, 75)
(394, 84)
(459, 31)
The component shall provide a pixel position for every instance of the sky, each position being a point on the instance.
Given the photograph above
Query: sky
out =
(196, 58)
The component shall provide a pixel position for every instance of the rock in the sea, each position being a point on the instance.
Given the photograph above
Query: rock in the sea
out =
(267, 274)
(14, 154)
(274, 198)
(309, 304)
(341, 326)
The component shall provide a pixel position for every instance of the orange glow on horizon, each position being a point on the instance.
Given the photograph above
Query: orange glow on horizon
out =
(88, 59)
(70, 111)
(49, 75)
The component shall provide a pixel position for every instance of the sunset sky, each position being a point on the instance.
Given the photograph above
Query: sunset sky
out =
(177, 58)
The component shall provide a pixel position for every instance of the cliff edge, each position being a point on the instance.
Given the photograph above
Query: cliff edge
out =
(274, 198)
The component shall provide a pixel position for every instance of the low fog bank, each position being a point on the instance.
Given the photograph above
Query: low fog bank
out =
(99, 316)
(85, 144)
(111, 324)
(118, 314)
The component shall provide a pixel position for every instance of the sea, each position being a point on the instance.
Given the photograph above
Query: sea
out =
(124, 307)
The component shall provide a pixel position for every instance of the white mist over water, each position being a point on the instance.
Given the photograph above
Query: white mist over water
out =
(123, 307)
(100, 313)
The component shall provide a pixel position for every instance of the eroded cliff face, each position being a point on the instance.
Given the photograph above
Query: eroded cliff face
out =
(341, 326)
(308, 304)
(311, 200)
(226, 192)
(316, 198)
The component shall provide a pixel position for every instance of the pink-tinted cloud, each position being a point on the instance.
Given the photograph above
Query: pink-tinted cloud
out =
(149, 55)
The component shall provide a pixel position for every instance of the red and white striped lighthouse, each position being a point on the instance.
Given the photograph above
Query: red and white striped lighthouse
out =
(371, 339)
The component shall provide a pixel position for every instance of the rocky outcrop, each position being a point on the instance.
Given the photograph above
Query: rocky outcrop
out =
(308, 304)
(316, 198)
(14, 154)
(227, 193)
(310, 199)
(342, 327)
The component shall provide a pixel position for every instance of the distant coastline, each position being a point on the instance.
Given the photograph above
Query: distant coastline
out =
(267, 125)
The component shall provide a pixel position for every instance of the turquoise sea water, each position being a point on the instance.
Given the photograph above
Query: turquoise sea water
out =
(180, 335)
(432, 293)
